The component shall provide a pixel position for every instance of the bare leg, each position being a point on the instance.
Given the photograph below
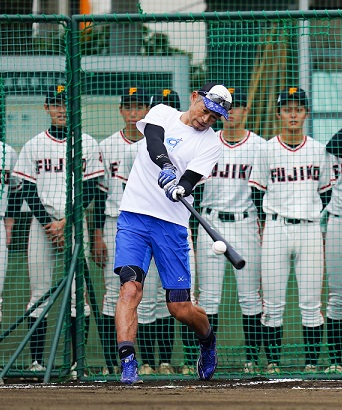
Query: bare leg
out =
(191, 315)
(197, 320)
(126, 318)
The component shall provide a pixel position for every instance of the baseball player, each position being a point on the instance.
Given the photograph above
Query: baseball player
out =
(333, 247)
(118, 154)
(178, 149)
(293, 172)
(165, 324)
(228, 206)
(9, 208)
(42, 168)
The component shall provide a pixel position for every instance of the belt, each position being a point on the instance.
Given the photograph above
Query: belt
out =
(292, 221)
(228, 216)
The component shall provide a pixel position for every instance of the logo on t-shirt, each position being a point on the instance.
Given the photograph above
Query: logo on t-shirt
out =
(172, 143)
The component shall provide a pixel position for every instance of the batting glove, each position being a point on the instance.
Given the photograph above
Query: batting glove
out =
(167, 176)
(173, 192)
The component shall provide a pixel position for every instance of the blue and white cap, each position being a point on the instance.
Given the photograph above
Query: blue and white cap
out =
(217, 98)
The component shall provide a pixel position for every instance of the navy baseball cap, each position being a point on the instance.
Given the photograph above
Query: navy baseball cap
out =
(217, 98)
(293, 94)
(55, 93)
(238, 95)
(135, 93)
(166, 96)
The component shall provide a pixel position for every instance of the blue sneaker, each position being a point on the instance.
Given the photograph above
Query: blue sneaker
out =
(129, 370)
(207, 361)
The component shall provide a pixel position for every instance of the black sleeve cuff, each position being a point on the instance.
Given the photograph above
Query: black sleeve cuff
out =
(189, 180)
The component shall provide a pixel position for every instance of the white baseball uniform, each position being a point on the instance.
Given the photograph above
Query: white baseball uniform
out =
(292, 179)
(118, 154)
(8, 158)
(333, 247)
(227, 205)
(43, 161)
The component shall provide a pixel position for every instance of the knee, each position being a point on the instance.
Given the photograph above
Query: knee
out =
(131, 291)
(179, 310)
(178, 302)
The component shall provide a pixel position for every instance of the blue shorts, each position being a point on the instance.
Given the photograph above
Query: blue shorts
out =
(139, 237)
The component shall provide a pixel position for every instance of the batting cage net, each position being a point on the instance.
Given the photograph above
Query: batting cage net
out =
(72, 90)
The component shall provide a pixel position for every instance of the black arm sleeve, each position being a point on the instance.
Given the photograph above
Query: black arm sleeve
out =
(257, 197)
(334, 146)
(325, 197)
(155, 145)
(197, 194)
(15, 200)
(188, 181)
(89, 189)
(99, 209)
(30, 194)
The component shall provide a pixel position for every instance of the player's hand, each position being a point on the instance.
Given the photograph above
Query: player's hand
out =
(173, 192)
(99, 250)
(167, 176)
(9, 223)
(55, 231)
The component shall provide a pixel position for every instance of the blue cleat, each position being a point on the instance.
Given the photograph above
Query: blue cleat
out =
(129, 370)
(207, 361)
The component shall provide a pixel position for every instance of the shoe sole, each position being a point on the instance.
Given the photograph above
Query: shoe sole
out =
(130, 382)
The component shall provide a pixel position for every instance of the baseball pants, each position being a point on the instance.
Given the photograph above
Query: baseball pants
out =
(43, 262)
(4, 260)
(243, 235)
(303, 242)
(333, 250)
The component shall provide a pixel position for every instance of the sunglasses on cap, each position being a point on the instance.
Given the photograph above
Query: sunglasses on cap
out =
(217, 99)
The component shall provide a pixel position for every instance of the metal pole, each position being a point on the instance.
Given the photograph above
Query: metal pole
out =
(62, 311)
(305, 72)
(76, 128)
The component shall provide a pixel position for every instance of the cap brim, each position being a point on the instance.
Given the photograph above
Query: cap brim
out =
(301, 100)
(212, 106)
(55, 99)
(134, 98)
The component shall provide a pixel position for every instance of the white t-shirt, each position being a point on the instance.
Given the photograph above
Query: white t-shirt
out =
(42, 161)
(293, 178)
(187, 148)
(118, 154)
(227, 187)
(9, 182)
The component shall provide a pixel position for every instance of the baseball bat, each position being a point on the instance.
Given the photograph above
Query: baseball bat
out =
(234, 258)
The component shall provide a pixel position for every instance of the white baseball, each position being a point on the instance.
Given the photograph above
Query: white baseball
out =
(219, 247)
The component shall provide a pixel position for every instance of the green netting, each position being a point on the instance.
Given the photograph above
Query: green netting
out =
(99, 59)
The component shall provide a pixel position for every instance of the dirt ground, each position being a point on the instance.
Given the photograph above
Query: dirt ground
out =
(280, 394)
